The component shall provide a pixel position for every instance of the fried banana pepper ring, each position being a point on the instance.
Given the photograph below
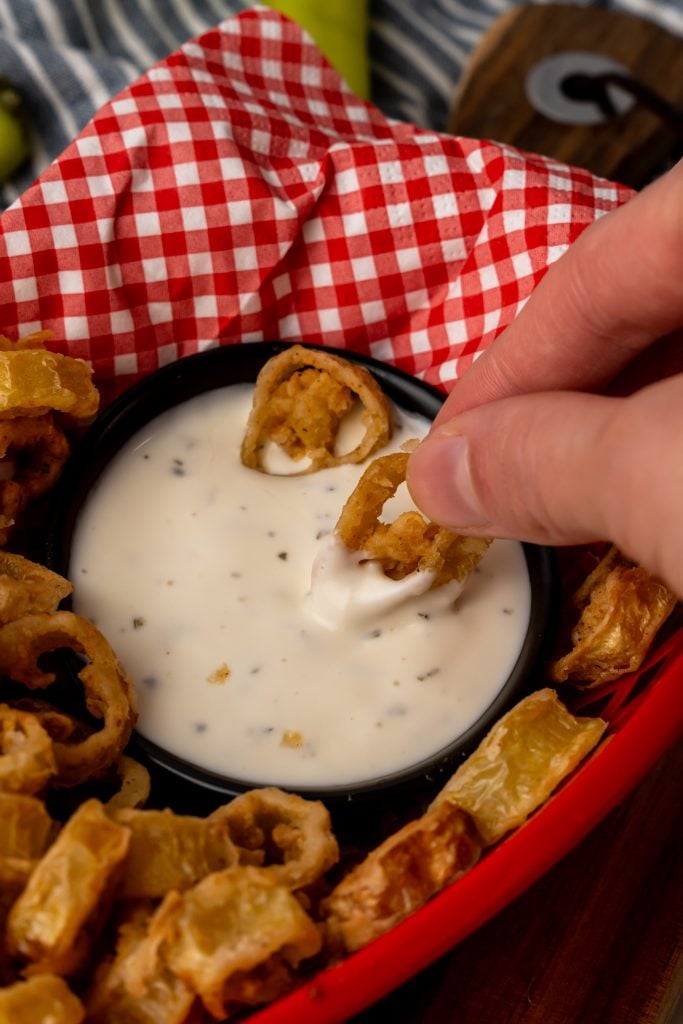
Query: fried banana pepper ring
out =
(622, 609)
(398, 877)
(519, 763)
(57, 724)
(108, 690)
(289, 836)
(24, 837)
(46, 446)
(33, 381)
(163, 999)
(26, 588)
(38, 449)
(45, 999)
(27, 759)
(171, 851)
(300, 399)
(134, 785)
(68, 895)
(234, 938)
(409, 543)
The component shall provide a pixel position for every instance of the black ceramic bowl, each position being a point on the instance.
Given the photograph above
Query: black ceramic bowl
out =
(239, 364)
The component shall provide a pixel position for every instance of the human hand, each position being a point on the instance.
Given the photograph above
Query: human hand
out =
(522, 449)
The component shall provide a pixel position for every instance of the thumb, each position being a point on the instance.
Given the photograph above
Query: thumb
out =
(563, 468)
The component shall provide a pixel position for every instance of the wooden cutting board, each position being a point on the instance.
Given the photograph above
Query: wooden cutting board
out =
(492, 100)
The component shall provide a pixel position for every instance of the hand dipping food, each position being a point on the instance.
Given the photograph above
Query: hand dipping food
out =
(199, 569)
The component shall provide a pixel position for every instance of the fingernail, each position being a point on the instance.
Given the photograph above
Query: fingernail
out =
(440, 480)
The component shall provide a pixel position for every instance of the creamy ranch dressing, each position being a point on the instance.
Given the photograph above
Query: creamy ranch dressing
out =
(199, 572)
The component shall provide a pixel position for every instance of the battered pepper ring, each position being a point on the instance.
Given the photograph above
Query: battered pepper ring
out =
(170, 852)
(26, 588)
(34, 380)
(40, 450)
(25, 836)
(300, 398)
(108, 690)
(622, 608)
(409, 543)
(27, 760)
(134, 785)
(400, 875)
(57, 724)
(299, 830)
(259, 934)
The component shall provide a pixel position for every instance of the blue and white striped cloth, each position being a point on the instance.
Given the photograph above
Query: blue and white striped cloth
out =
(68, 57)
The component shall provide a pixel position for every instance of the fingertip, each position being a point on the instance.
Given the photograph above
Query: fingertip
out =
(440, 481)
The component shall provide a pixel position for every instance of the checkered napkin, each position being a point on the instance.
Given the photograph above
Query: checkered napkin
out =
(239, 191)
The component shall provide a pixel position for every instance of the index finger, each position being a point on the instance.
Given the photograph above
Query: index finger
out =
(614, 292)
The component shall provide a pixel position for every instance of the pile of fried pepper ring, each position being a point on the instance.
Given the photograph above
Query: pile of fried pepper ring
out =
(127, 915)
(42, 394)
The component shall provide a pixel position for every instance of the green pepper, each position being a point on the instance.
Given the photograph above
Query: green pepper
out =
(14, 143)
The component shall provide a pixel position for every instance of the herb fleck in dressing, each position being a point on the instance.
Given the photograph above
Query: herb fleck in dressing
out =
(239, 547)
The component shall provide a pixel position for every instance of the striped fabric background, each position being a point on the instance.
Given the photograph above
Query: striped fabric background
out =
(68, 56)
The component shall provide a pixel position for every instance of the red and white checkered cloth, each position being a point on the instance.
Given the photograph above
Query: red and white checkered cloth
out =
(239, 191)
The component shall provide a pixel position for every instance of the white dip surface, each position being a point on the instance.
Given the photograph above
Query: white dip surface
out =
(198, 570)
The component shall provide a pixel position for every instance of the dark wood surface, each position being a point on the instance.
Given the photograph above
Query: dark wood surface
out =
(598, 940)
(491, 102)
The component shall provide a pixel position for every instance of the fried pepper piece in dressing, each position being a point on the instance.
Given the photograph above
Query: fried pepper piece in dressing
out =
(301, 397)
(409, 543)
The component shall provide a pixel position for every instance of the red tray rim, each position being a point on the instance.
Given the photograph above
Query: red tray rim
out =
(601, 782)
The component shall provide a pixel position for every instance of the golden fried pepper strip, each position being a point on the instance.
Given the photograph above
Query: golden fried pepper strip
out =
(300, 399)
(119, 996)
(170, 851)
(36, 449)
(299, 830)
(235, 937)
(400, 875)
(33, 381)
(26, 587)
(108, 690)
(24, 836)
(134, 788)
(66, 899)
(44, 449)
(27, 759)
(37, 339)
(57, 724)
(622, 609)
(409, 543)
(519, 763)
(45, 999)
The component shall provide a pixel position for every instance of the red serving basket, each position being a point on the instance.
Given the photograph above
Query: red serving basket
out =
(239, 192)
(640, 732)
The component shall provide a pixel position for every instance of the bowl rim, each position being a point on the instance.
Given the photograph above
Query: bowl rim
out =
(222, 366)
